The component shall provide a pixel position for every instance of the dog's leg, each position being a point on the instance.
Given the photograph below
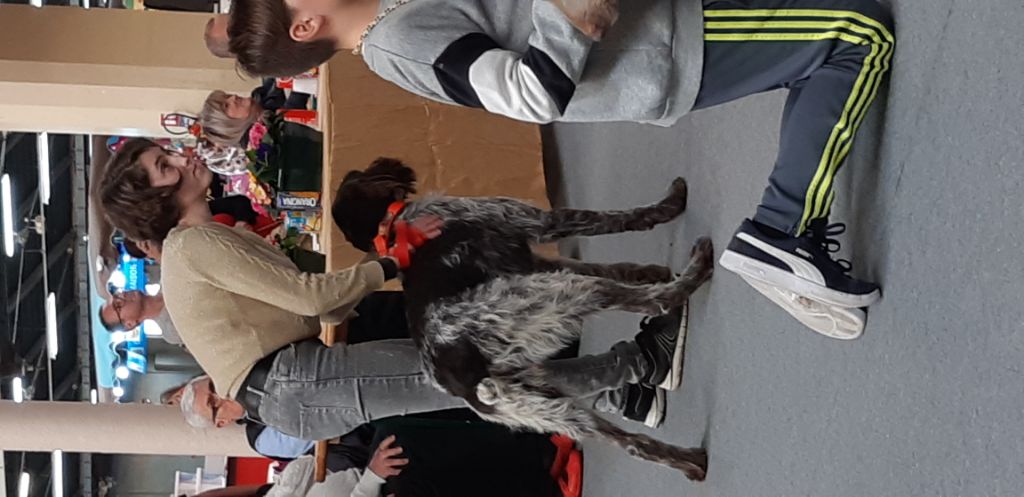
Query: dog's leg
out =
(692, 462)
(561, 223)
(528, 400)
(656, 298)
(625, 272)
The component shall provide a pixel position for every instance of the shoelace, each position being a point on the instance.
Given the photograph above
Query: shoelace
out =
(823, 239)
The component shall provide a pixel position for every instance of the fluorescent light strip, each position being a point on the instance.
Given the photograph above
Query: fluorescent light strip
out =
(57, 468)
(8, 214)
(51, 326)
(43, 151)
(18, 390)
(23, 484)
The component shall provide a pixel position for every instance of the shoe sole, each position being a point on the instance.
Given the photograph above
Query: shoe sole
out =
(834, 322)
(656, 415)
(674, 378)
(757, 270)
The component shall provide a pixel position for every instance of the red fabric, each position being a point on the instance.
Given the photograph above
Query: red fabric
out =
(226, 219)
(567, 468)
(263, 227)
(571, 482)
(248, 470)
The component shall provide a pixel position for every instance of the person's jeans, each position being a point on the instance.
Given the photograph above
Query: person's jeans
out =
(316, 392)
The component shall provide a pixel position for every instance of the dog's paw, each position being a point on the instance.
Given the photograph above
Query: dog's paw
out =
(678, 193)
(695, 465)
(591, 17)
(703, 257)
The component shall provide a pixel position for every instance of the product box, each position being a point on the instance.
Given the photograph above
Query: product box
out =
(297, 201)
(305, 222)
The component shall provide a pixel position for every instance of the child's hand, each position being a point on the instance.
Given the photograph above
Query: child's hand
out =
(425, 228)
(591, 17)
(385, 461)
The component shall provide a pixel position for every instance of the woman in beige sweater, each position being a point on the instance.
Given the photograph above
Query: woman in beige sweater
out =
(250, 316)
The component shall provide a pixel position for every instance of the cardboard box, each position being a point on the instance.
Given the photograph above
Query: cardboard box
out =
(454, 150)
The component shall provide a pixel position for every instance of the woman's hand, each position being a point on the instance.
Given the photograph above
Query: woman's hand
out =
(385, 461)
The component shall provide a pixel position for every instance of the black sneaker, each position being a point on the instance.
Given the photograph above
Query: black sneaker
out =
(662, 340)
(644, 404)
(802, 265)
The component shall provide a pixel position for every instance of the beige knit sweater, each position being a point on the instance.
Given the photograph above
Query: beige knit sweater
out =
(235, 298)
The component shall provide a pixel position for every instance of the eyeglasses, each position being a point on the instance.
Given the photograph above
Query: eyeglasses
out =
(118, 304)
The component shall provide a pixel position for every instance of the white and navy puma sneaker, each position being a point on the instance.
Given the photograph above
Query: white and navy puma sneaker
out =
(832, 321)
(802, 265)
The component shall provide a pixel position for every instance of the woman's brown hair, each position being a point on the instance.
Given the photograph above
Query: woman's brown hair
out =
(130, 202)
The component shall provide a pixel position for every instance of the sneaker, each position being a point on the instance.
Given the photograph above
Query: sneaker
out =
(834, 322)
(644, 404)
(802, 265)
(662, 339)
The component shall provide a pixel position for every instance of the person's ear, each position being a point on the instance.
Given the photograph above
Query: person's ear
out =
(220, 423)
(131, 325)
(306, 27)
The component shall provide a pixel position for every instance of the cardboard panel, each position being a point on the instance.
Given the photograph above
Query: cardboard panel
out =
(454, 150)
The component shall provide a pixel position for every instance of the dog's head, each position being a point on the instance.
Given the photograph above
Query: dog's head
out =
(362, 199)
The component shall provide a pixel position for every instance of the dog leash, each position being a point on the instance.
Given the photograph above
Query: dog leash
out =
(358, 50)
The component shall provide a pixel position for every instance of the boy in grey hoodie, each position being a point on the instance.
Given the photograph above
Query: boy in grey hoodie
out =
(533, 60)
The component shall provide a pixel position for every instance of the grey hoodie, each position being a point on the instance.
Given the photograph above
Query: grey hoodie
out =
(523, 59)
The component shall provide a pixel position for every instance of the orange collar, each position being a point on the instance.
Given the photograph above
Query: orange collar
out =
(380, 242)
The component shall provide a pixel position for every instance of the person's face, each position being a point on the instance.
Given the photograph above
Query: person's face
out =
(217, 409)
(237, 107)
(126, 309)
(169, 169)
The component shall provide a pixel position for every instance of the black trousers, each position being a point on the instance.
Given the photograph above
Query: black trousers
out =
(831, 56)
(452, 458)
(381, 316)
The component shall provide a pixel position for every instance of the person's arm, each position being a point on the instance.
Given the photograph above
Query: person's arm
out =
(536, 85)
(223, 261)
(369, 485)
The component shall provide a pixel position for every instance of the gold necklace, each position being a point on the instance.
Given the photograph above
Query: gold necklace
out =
(376, 20)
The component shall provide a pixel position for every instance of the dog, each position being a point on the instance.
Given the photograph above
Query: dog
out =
(485, 311)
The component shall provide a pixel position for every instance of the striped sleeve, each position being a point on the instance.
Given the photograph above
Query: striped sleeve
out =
(536, 85)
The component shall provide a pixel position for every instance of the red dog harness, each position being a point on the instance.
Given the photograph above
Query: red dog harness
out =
(406, 236)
